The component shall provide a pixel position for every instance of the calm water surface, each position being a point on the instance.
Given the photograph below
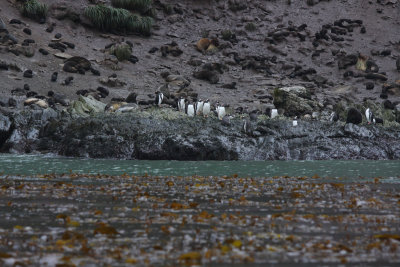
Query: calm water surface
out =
(42, 164)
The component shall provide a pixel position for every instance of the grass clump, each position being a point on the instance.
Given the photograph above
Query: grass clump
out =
(251, 27)
(118, 19)
(226, 35)
(141, 6)
(35, 10)
(121, 51)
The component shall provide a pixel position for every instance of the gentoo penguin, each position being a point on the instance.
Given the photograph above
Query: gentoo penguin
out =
(246, 127)
(206, 108)
(199, 108)
(220, 111)
(370, 116)
(274, 113)
(295, 121)
(334, 116)
(181, 104)
(190, 110)
(159, 98)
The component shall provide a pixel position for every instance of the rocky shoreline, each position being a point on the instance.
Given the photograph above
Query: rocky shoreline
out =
(163, 133)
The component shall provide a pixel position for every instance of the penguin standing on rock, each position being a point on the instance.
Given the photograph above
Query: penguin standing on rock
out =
(181, 104)
(295, 121)
(206, 108)
(199, 108)
(370, 116)
(334, 117)
(159, 98)
(190, 111)
(220, 111)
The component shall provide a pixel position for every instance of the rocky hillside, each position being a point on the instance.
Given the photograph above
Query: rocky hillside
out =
(339, 50)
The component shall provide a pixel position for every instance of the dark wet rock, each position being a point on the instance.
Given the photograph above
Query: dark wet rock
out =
(44, 52)
(27, 31)
(50, 28)
(69, 44)
(15, 21)
(31, 94)
(104, 92)
(3, 66)
(68, 80)
(142, 135)
(29, 41)
(12, 102)
(389, 105)
(383, 95)
(58, 46)
(347, 61)
(28, 74)
(131, 98)
(398, 64)
(369, 85)
(58, 36)
(153, 50)
(5, 129)
(354, 116)
(386, 52)
(376, 76)
(231, 85)
(27, 87)
(76, 64)
(133, 59)
(95, 71)
(82, 92)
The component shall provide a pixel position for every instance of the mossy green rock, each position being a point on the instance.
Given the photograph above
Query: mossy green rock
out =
(86, 106)
(296, 101)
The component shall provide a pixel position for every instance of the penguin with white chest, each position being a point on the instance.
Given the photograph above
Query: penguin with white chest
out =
(181, 104)
(199, 108)
(190, 110)
(220, 111)
(206, 108)
(370, 116)
(159, 98)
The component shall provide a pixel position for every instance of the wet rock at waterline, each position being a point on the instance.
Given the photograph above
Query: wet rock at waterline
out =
(167, 134)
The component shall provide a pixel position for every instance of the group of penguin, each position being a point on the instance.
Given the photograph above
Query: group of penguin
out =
(200, 107)
(193, 108)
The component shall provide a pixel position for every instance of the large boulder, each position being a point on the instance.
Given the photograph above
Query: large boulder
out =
(295, 100)
(354, 116)
(86, 106)
(5, 127)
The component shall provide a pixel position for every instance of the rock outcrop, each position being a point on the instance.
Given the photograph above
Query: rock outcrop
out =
(165, 134)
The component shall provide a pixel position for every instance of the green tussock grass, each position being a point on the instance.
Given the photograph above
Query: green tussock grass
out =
(118, 19)
(251, 27)
(141, 6)
(121, 51)
(34, 10)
